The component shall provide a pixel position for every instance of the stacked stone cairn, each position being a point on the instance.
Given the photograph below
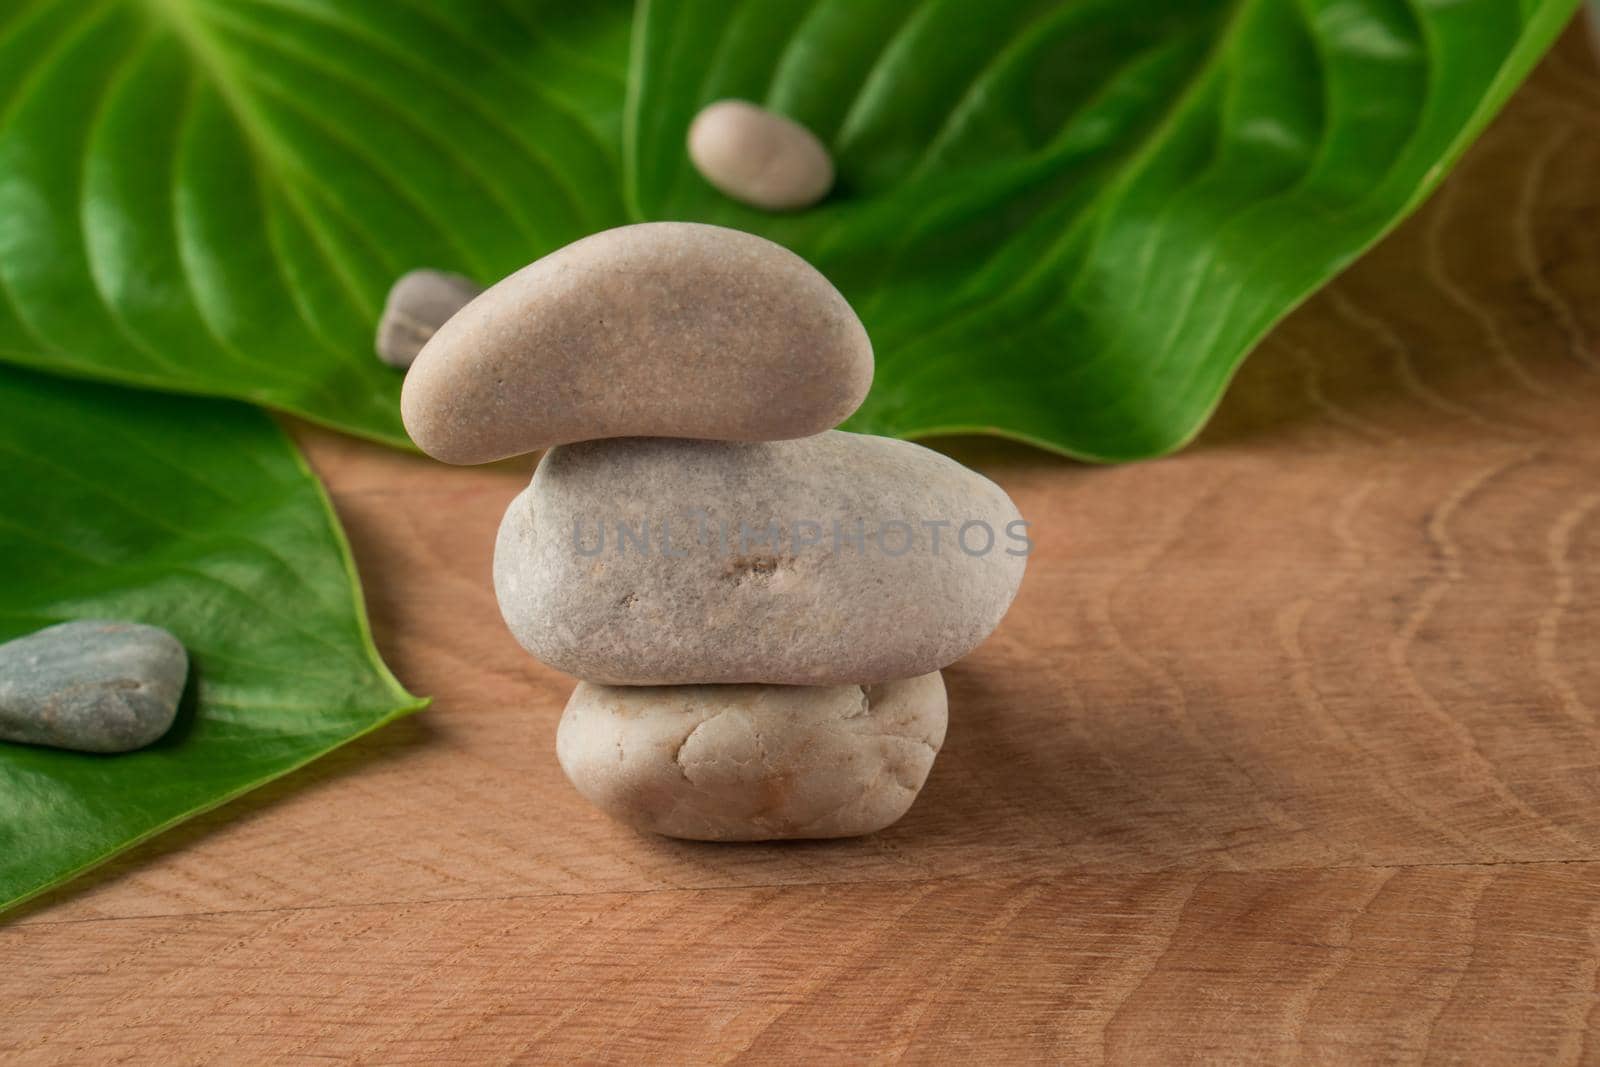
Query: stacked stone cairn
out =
(758, 605)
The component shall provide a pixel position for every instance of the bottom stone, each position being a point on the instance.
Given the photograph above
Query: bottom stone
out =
(753, 762)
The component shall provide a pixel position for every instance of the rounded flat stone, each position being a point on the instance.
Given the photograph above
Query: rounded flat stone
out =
(753, 762)
(91, 685)
(835, 559)
(418, 304)
(759, 157)
(670, 329)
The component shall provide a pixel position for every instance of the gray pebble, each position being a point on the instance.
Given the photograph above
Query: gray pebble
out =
(418, 304)
(835, 559)
(91, 685)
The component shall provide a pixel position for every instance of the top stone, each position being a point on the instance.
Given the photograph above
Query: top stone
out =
(661, 329)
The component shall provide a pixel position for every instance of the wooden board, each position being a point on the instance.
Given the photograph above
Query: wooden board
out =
(1290, 749)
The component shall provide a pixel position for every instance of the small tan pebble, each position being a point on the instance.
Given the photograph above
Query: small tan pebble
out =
(661, 329)
(418, 304)
(753, 762)
(832, 559)
(759, 157)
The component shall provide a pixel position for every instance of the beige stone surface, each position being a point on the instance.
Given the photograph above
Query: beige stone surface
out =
(651, 561)
(753, 762)
(759, 157)
(670, 329)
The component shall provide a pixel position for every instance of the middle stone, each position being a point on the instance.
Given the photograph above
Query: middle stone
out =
(837, 559)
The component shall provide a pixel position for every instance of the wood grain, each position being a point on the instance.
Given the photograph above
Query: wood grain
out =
(1288, 751)
(1464, 964)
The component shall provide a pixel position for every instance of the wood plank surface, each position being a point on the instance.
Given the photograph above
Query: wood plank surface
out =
(1288, 751)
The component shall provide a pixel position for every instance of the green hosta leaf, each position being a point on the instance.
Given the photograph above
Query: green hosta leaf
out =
(198, 516)
(214, 195)
(1065, 220)
(1069, 221)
